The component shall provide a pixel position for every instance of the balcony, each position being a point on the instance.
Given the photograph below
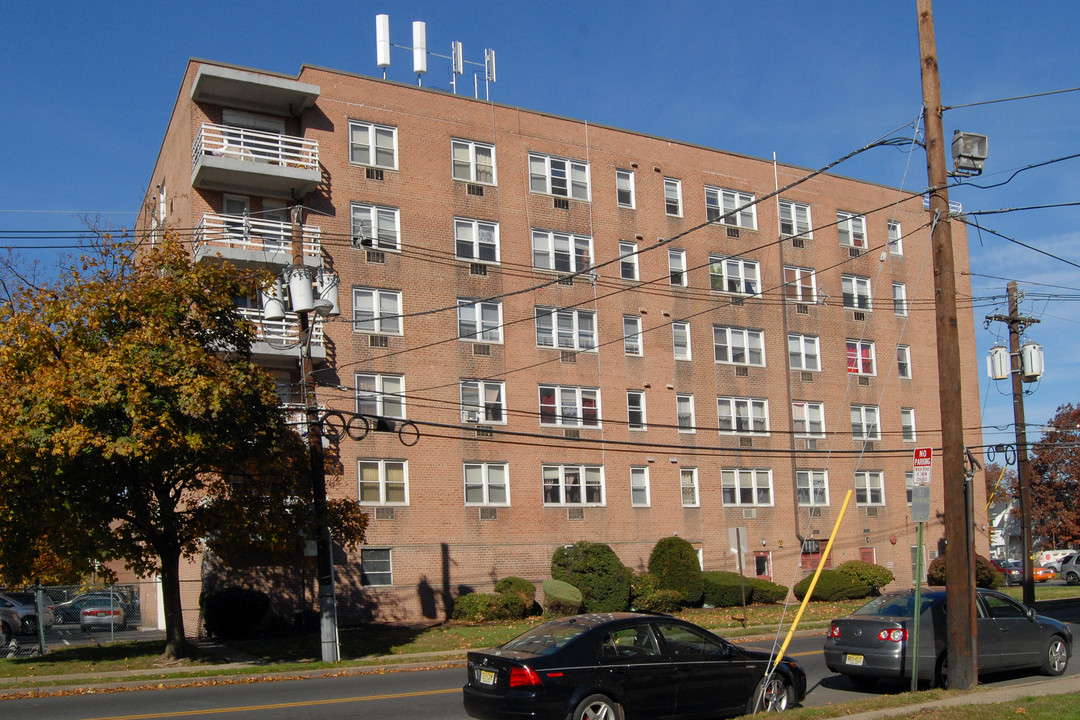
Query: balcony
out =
(277, 341)
(246, 240)
(254, 162)
(257, 92)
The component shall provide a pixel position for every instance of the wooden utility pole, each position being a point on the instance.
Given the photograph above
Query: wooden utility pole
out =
(959, 529)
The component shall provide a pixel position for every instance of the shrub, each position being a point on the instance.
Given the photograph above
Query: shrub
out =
(234, 613)
(664, 601)
(478, 607)
(986, 575)
(675, 564)
(832, 585)
(767, 592)
(642, 585)
(722, 589)
(561, 598)
(517, 585)
(875, 576)
(596, 570)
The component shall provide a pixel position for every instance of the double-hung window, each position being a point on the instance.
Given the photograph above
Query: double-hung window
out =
(800, 285)
(639, 486)
(899, 299)
(550, 175)
(486, 484)
(376, 227)
(566, 329)
(743, 416)
(476, 240)
(688, 483)
(628, 261)
(483, 401)
(573, 484)
(730, 207)
(380, 395)
(852, 229)
(377, 312)
(473, 161)
(680, 333)
(738, 346)
(812, 487)
(565, 406)
(864, 422)
(684, 413)
(856, 291)
(632, 335)
(903, 362)
(374, 145)
(896, 239)
(795, 219)
(673, 197)
(376, 567)
(561, 252)
(624, 188)
(635, 409)
(869, 487)
(383, 482)
(860, 357)
(735, 275)
(803, 352)
(907, 424)
(744, 486)
(808, 419)
(677, 267)
(479, 321)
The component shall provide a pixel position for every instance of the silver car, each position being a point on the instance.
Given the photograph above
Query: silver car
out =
(25, 604)
(875, 642)
(9, 624)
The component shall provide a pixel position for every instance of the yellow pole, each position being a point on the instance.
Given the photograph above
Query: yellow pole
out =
(813, 583)
(994, 491)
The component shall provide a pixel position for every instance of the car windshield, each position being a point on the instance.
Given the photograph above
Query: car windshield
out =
(892, 605)
(545, 639)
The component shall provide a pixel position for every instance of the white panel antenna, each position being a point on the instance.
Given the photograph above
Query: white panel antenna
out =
(382, 41)
(457, 57)
(489, 64)
(419, 43)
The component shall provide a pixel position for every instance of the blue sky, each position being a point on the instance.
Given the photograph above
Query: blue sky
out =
(90, 87)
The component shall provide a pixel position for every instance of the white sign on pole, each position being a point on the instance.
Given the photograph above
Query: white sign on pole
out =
(923, 466)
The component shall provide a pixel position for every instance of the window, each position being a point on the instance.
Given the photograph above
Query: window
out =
(738, 346)
(374, 145)
(860, 357)
(803, 352)
(852, 229)
(676, 260)
(628, 261)
(812, 487)
(639, 486)
(684, 413)
(631, 325)
(635, 409)
(729, 207)
(856, 291)
(869, 488)
(479, 321)
(746, 487)
(909, 484)
(486, 484)
(743, 416)
(688, 482)
(383, 482)
(377, 312)
(566, 329)
(377, 227)
(673, 197)
(899, 299)
(907, 424)
(473, 161)
(680, 332)
(864, 422)
(382, 395)
(903, 362)
(483, 401)
(561, 252)
(896, 239)
(375, 567)
(563, 485)
(800, 285)
(808, 419)
(476, 240)
(734, 275)
(558, 176)
(624, 188)
(569, 406)
(795, 219)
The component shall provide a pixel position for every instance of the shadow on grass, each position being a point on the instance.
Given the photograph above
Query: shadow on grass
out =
(354, 642)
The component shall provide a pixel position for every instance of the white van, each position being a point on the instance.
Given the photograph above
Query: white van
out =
(1047, 558)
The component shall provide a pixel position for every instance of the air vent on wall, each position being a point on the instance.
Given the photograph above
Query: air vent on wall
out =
(798, 242)
(738, 301)
(815, 512)
(374, 174)
(572, 434)
(477, 269)
(568, 357)
(811, 444)
(858, 316)
(384, 513)
(378, 341)
(489, 513)
(477, 190)
(864, 381)
(802, 309)
(376, 256)
(575, 513)
(807, 376)
(854, 252)
(482, 431)
(741, 371)
(562, 204)
(871, 512)
(481, 349)
(733, 232)
(749, 513)
(746, 442)
(566, 280)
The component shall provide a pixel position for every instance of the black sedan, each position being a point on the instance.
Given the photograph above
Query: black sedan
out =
(617, 666)
(876, 640)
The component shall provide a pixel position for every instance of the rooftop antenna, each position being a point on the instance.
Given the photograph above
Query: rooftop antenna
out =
(382, 42)
(420, 53)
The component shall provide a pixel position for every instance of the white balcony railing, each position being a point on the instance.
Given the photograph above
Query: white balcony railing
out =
(283, 333)
(246, 233)
(255, 146)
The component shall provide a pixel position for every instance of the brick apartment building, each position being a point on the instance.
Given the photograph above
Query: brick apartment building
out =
(590, 342)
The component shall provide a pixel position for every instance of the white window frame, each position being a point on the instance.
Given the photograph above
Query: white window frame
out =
(569, 406)
(899, 299)
(869, 488)
(374, 225)
(561, 252)
(731, 341)
(632, 343)
(377, 134)
(483, 482)
(673, 197)
(471, 165)
(635, 404)
(639, 486)
(680, 339)
(735, 483)
(624, 185)
(689, 491)
(479, 321)
(811, 416)
(685, 400)
(628, 261)
(903, 362)
(896, 238)
(795, 220)
(865, 422)
(742, 415)
(851, 229)
(477, 404)
(804, 352)
(375, 555)
(567, 329)
(559, 176)
(590, 482)
(909, 484)
(796, 287)
(467, 234)
(907, 424)
(812, 488)
(676, 260)
(721, 205)
(855, 351)
(857, 292)
(381, 320)
(384, 489)
(389, 402)
(735, 276)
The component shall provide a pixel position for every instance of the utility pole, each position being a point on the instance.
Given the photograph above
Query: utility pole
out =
(959, 529)
(1017, 324)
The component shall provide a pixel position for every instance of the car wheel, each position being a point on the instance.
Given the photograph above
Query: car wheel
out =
(773, 695)
(1072, 578)
(1056, 657)
(29, 625)
(598, 707)
(863, 681)
(941, 672)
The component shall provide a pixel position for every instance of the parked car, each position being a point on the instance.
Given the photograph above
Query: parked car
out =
(1055, 563)
(1070, 570)
(70, 612)
(25, 604)
(9, 624)
(101, 610)
(874, 641)
(614, 665)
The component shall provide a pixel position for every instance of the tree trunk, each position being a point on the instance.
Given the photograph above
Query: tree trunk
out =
(175, 640)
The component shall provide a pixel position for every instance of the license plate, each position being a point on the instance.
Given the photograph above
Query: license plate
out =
(487, 677)
(854, 659)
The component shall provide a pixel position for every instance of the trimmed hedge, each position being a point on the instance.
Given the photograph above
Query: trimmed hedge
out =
(663, 601)
(642, 585)
(875, 576)
(478, 607)
(234, 613)
(517, 585)
(675, 564)
(832, 585)
(722, 589)
(561, 598)
(986, 575)
(595, 570)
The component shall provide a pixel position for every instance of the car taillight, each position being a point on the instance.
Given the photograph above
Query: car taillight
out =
(521, 676)
(897, 635)
(834, 631)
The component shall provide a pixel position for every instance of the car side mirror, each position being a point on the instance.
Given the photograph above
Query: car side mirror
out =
(1032, 613)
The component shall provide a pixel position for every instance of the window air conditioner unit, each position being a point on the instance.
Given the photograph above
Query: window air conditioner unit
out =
(470, 417)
